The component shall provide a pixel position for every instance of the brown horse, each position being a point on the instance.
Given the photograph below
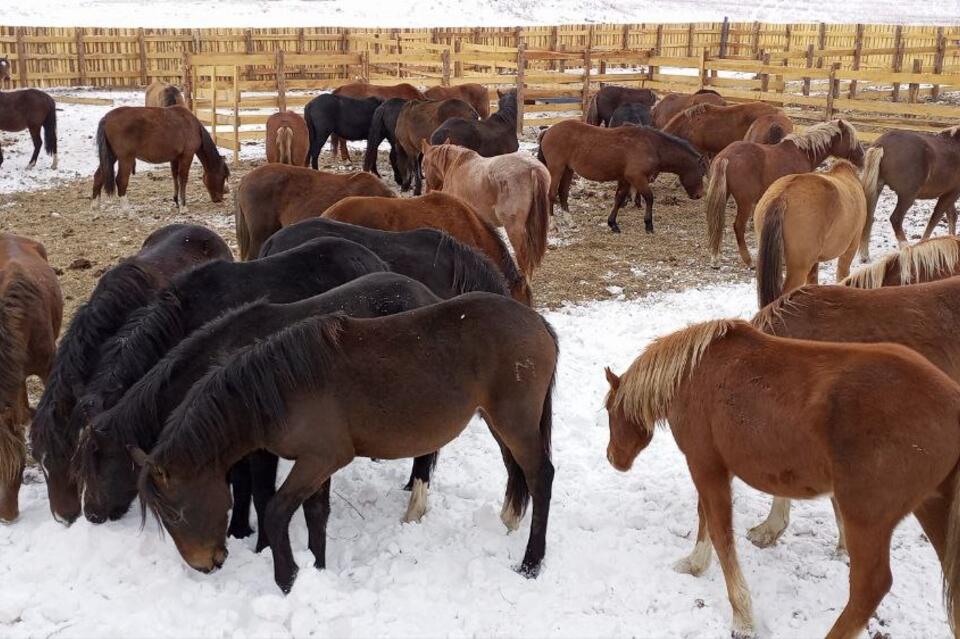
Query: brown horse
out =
(33, 110)
(31, 309)
(712, 128)
(673, 103)
(155, 135)
(161, 94)
(512, 191)
(440, 211)
(801, 419)
(916, 166)
(630, 156)
(287, 139)
(769, 129)
(418, 119)
(273, 196)
(806, 219)
(332, 388)
(610, 97)
(926, 261)
(745, 170)
(476, 95)
(363, 89)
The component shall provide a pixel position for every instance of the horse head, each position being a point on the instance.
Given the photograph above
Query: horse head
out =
(627, 438)
(215, 178)
(105, 474)
(846, 145)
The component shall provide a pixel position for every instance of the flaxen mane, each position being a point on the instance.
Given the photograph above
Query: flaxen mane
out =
(774, 312)
(917, 263)
(952, 132)
(647, 388)
(818, 138)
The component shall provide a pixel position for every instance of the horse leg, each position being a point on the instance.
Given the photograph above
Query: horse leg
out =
(945, 205)
(566, 180)
(643, 189)
(263, 480)
(904, 202)
(556, 177)
(241, 484)
(316, 512)
(124, 167)
(175, 171)
(37, 145)
(952, 220)
(813, 276)
(699, 560)
(417, 174)
(767, 533)
(344, 151)
(418, 486)
(934, 515)
(842, 536)
(744, 213)
(184, 178)
(97, 188)
(516, 229)
(619, 199)
(334, 145)
(870, 577)
(844, 262)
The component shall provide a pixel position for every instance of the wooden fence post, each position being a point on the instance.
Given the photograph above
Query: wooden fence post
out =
(755, 45)
(281, 72)
(554, 41)
(914, 91)
(457, 64)
(445, 62)
(765, 77)
(365, 65)
(186, 79)
(585, 89)
(625, 37)
(248, 48)
(690, 40)
(521, 72)
(22, 59)
(703, 67)
(213, 103)
(142, 46)
(81, 57)
(652, 71)
(724, 37)
(938, 60)
(236, 115)
(806, 81)
(831, 92)
(345, 49)
(821, 43)
(897, 59)
(857, 55)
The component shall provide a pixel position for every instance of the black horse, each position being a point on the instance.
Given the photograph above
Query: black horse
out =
(383, 126)
(633, 113)
(126, 287)
(347, 118)
(610, 97)
(103, 465)
(497, 135)
(33, 110)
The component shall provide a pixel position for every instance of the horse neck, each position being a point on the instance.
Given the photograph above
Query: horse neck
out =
(673, 157)
(208, 157)
(507, 113)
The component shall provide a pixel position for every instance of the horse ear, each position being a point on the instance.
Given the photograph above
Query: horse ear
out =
(424, 146)
(448, 141)
(499, 93)
(612, 378)
(139, 457)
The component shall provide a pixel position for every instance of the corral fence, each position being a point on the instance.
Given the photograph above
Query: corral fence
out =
(878, 76)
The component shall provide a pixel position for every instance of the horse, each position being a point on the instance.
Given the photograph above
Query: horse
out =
(347, 118)
(494, 135)
(288, 140)
(161, 94)
(476, 95)
(745, 170)
(712, 128)
(363, 89)
(155, 135)
(800, 419)
(33, 110)
(915, 166)
(805, 219)
(303, 394)
(634, 113)
(4, 69)
(273, 196)
(926, 261)
(383, 126)
(440, 211)
(124, 288)
(673, 103)
(610, 97)
(769, 129)
(417, 121)
(102, 462)
(512, 191)
(630, 156)
(31, 309)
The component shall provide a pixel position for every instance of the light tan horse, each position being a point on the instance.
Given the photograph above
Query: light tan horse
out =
(803, 419)
(512, 191)
(806, 219)
(161, 94)
(926, 261)
(288, 139)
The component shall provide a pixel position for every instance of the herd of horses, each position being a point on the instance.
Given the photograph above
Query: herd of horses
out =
(186, 375)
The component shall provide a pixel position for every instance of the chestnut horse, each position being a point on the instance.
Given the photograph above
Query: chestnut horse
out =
(440, 211)
(305, 394)
(926, 261)
(610, 97)
(31, 309)
(273, 196)
(417, 121)
(161, 94)
(802, 419)
(512, 191)
(916, 166)
(33, 110)
(363, 89)
(745, 170)
(806, 219)
(769, 129)
(288, 140)
(712, 128)
(476, 95)
(673, 103)
(155, 135)
(630, 156)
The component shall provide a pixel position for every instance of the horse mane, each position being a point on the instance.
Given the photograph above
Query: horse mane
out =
(698, 109)
(702, 91)
(774, 311)
(818, 138)
(475, 272)
(916, 263)
(450, 155)
(952, 132)
(648, 386)
(208, 150)
(673, 139)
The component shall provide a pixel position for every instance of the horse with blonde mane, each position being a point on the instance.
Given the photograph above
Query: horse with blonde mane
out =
(806, 219)
(798, 419)
(713, 128)
(512, 191)
(926, 261)
(745, 170)
(161, 94)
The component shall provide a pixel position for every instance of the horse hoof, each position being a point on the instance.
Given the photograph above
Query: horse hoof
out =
(530, 571)
(614, 227)
(262, 543)
(649, 229)
(763, 536)
(286, 583)
(240, 532)
(687, 566)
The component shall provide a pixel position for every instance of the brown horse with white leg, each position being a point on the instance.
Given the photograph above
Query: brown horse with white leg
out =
(806, 219)
(33, 110)
(161, 94)
(287, 139)
(436, 210)
(512, 191)
(926, 261)
(916, 166)
(31, 309)
(156, 135)
(713, 128)
(630, 156)
(673, 103)
(476, 95)
(744, 170)
(802, 419)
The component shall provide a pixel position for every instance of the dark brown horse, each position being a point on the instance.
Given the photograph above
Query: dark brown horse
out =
(33, 110)
(156, 135)
(4, 69)
(31, 309)
(744, 170)
(305, 394)
(273, 196)
(916, 166)
(802, 419)
(630, 156)
(363, 89)
(610, 97)
(712, 128)
(476, 95)
(496, 135)
(926, 261)
(440, 211)
(417, 121)
(673, 103)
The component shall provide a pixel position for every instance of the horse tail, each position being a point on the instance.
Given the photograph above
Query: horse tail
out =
(775, 133)
(313, 154)
(50, 130)
(951, 561)
(540, 156)
(375, 136)
(770, 253)
(872, 185)
(538, 221)
(243, 231)
(285, 145)
(593, 112)
(13, 357)
(715, 205)
(107, 158)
